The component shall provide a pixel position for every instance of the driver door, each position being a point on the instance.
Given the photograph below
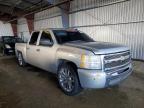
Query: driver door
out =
(46, 50)
(32, 49)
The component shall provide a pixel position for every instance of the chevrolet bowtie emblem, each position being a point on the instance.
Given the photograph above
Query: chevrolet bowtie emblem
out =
(122, 58)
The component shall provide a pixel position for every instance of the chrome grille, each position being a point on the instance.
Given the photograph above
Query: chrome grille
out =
(116, 60)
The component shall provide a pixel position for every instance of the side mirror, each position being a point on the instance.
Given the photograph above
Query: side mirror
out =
(46, 42)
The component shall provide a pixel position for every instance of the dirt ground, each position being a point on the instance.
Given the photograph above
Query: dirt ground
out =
(30, 87)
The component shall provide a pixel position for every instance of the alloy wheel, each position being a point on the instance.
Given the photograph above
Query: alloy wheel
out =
(66, 79)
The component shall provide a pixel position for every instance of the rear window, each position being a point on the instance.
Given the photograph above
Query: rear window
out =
(34, 38)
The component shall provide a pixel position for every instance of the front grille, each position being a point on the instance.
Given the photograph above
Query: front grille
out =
(116, 60)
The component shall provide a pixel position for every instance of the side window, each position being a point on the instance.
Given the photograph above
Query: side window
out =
(46, 39)
(34, 38)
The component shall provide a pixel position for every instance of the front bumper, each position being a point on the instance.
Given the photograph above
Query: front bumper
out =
(101, 79)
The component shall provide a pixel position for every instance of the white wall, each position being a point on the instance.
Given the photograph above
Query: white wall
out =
(50, 18)
(5, 29)
(22, 29)
(121, 23)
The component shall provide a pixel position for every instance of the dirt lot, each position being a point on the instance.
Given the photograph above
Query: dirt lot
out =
(34, 88)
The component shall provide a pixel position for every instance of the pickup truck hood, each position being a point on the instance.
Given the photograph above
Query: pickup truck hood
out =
(99, 47)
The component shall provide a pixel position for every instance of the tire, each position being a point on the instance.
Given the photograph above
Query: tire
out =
(68, 80)
(20, 59)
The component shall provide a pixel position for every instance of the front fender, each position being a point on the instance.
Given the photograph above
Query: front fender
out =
(63, 54)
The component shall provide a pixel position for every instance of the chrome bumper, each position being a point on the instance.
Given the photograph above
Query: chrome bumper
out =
(100, 79)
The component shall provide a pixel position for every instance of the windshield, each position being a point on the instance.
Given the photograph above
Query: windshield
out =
(9, 39)
(64, 36)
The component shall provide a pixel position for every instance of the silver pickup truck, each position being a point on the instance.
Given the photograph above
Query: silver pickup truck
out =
(77, 60)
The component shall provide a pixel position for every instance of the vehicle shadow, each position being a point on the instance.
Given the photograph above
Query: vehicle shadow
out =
(49, 76)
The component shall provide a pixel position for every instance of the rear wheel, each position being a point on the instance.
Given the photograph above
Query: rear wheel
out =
(68, 80)
(21, 61)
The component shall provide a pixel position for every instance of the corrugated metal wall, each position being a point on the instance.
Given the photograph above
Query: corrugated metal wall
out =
(22, 29)
(117, 21)
(50, 18)
(5, 29)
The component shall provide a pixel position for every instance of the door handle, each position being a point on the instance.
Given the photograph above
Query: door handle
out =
(38, 50)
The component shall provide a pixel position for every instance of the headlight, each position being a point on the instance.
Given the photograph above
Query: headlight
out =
(90, 62)
(7, 46)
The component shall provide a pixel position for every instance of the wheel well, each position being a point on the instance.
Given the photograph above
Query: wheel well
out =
(73, 65)
(17, 51)
(61, 61)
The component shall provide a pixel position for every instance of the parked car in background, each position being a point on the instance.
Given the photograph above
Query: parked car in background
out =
(7, 44)
(77, 60)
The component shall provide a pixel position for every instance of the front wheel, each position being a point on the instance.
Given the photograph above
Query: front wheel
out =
(68, 80)
(21, 61)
